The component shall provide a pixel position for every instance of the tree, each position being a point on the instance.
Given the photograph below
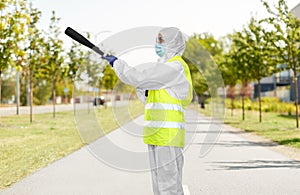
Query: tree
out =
(34, 50)
(110, 78)
(286, 28)
(260, 54)
(215, 48)
(42, 92)
(229, 70)
(52, 69)
(6, 38)
(212, 45)
(9, 86)
(76, 59)
(200, 54)
(238, 55)
(195, 56)
(20, 36)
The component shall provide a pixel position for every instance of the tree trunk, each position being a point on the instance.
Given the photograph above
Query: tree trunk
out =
(31, 94)
(232, 104)
(54, 96)
(296, 98)
(243, 106)
(18, 92)
(0, 87)
(201, 100)
(232, 96)
(244, 85)
(259, 101)
(275, 86)
(105, 104)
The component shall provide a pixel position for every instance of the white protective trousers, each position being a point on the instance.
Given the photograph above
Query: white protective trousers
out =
(166, 164)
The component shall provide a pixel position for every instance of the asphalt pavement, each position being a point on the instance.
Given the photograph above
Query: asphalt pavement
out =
(230, 165)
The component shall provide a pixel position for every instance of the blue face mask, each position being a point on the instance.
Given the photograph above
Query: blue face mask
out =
(160, 49)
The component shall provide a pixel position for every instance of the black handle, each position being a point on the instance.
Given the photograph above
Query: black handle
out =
(81, 39)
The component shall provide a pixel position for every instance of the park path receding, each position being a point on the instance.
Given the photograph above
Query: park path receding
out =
(234, 165)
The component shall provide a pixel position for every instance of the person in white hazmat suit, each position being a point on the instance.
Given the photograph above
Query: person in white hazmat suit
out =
(166, 90)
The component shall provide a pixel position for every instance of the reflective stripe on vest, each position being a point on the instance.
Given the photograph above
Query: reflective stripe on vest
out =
(164, 124)
(160, 106)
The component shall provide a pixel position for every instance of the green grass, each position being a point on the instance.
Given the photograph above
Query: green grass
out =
(280, 128)
(119, 115)
(25, 147)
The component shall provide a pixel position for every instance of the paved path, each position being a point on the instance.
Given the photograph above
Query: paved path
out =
(233, 166)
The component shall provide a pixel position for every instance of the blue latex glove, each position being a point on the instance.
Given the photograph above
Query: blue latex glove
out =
(110, 58)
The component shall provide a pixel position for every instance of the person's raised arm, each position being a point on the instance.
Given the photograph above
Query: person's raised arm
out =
(150, 76)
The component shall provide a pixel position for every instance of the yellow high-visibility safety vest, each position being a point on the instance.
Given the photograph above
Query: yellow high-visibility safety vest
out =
(164, 114)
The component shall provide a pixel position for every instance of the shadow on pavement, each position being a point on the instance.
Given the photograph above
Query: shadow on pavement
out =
(239, 144)
(255, 164)
(222, 132)
(203, 122)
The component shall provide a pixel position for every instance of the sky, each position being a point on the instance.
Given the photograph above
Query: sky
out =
(218, 17)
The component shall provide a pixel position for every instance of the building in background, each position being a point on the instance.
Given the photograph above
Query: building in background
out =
(296, 10)
(280, 84)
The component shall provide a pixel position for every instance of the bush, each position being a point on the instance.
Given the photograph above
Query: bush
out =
(41, 93)
(266, 109)
(269, 104)
(249, 107)
(290, 112)
(274, 107)
(270, 100)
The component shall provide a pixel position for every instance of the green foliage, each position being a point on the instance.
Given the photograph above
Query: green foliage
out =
(109, 79)
(8, 89)
(227, 64)
(212, 45)
(42, 92)
(285, 28)
(34, 53)
(35, 41)
(9, 30)
(200, 54)
(52, 68)
(270, 100)
(258, 48)
(260, 54)
(194, 50)
(76, 59)
(61, 85)
(238, 58)
(269, 104)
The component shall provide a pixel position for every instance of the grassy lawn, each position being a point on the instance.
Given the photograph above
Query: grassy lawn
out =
(277, 127)
(25, 147)
(119, 115)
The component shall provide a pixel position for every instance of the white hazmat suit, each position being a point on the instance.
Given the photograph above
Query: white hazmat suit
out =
(166, 161)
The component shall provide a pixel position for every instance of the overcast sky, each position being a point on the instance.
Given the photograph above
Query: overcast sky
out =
(218, 17)
(191, 16)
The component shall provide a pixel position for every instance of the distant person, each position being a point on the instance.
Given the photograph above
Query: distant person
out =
(166, 90)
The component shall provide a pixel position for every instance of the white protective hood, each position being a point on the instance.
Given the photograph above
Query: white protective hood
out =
(174, 41)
